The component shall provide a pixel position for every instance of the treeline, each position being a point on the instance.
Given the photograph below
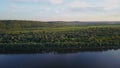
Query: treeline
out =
(19, 24)
(23, 24)
(81, 38)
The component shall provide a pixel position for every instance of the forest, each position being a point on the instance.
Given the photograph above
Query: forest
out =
(34, 35)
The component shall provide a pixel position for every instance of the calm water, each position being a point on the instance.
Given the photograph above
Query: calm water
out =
(77, 59)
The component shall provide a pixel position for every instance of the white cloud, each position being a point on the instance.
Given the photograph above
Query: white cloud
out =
(13, 6)
(56, 1)
(84, 6)
(78, 4)
(101, 5)
(57, 11)
(24, 1)
(110, 4)
(27, 1)
(47, 9)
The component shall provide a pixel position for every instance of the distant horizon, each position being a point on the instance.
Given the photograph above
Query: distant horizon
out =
(53, 21)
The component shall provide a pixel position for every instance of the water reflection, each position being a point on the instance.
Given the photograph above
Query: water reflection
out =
(62, 58)
(58, 51)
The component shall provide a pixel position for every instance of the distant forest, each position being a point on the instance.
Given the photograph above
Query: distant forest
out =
(21, 24)
(15, 24)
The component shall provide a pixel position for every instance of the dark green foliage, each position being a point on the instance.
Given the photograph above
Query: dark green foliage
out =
(78, 38)
(52, 38)
(15, 24)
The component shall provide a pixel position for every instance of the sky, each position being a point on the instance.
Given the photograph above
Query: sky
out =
(60, 10)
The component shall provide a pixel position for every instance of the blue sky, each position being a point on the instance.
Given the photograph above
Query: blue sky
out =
(60, 10)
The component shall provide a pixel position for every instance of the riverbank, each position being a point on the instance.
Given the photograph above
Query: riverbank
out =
(64, 37)
(40, 48)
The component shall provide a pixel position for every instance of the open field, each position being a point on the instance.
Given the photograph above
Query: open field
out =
(56, 29)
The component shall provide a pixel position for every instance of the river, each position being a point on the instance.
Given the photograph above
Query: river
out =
(74, 59)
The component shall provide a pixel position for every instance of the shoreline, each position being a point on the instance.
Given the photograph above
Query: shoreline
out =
(58, 50)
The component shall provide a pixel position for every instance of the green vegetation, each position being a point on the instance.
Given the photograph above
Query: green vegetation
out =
(35, 36)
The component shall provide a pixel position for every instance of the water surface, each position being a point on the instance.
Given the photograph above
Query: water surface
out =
(72, 59)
